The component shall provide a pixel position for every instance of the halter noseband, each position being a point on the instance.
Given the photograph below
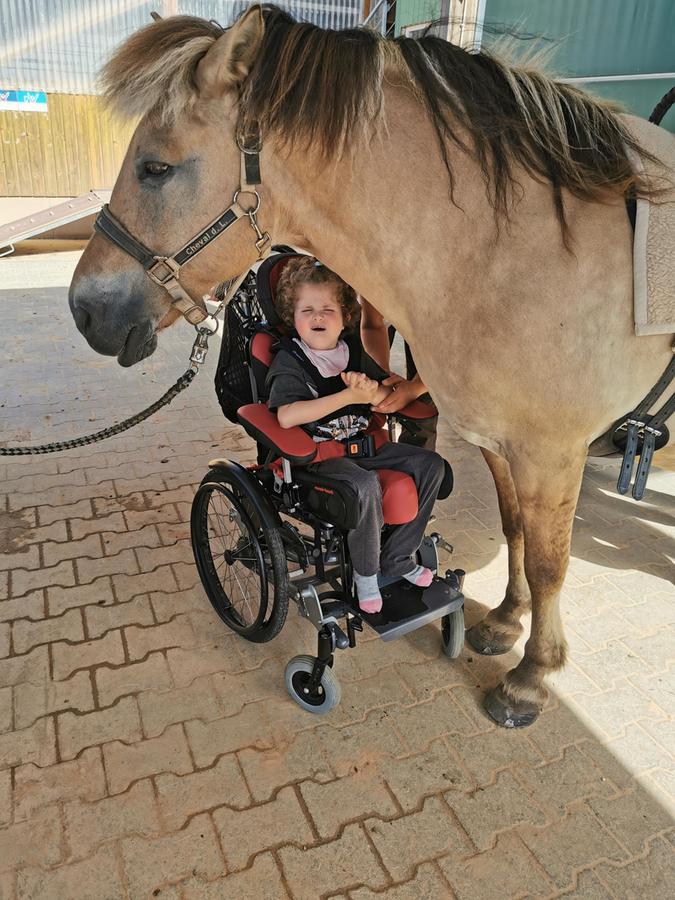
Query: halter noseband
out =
(165, 270)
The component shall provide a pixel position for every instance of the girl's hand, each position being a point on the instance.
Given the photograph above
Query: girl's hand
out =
(403, 392)
(361, 388)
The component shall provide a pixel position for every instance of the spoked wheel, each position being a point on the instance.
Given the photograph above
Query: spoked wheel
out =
(452, 633)
(241, 562)
(327, 694)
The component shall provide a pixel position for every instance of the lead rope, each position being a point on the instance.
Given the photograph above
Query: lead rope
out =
(197, 358)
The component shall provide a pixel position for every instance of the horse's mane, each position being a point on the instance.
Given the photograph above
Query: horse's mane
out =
(325, 89)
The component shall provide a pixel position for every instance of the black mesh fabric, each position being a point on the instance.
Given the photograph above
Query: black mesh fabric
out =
(243, 316)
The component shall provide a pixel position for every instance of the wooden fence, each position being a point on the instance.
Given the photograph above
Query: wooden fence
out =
(75, 146)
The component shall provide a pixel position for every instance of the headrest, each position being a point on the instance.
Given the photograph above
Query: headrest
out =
(267, 279)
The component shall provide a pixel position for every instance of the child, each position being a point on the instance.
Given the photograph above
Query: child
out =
(332, 397)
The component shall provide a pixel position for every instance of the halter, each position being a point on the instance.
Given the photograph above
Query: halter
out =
(165, 270)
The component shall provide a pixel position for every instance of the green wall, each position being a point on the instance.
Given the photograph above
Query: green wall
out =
(588, 38)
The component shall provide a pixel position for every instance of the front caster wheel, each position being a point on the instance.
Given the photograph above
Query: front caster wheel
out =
(324, 698)
(452, 633)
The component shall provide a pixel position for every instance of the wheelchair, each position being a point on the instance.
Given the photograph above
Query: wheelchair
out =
(274, 532)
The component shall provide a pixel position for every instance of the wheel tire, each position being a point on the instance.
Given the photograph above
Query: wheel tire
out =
(297, 674)
(238, 529)
(452, 633)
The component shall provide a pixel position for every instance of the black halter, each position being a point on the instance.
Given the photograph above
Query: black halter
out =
(165, 270)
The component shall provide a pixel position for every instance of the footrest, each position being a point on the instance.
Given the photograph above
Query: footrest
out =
(407, 607)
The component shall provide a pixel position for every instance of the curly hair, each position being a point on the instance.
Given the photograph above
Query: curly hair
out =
(307, 270)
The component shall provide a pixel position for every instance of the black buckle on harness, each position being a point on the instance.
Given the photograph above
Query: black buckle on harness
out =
(360, 446)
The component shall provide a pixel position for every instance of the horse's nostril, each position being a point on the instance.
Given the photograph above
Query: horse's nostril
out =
(82, 318)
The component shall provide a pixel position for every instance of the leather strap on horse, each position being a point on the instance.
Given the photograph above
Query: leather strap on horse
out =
(165, 270)
(639, 424)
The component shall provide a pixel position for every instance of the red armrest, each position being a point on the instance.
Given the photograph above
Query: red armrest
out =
(262, 424)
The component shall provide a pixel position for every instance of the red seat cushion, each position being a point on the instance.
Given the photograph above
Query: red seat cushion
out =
(399, 497)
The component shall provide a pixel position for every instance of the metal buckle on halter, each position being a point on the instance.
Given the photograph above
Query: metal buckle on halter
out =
(171, 270)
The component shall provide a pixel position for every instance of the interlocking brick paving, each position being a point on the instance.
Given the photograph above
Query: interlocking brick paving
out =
(146, 751)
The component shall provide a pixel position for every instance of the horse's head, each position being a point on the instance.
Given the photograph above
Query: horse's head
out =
(180, 173)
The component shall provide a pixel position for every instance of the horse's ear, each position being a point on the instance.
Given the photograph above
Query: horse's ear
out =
(229, 60)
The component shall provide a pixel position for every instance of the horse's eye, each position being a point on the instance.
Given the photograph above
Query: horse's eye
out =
(155, 169)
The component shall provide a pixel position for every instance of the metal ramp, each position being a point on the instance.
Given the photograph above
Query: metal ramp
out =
(52, 217)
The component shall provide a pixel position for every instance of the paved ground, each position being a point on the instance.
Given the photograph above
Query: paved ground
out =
(145, 751)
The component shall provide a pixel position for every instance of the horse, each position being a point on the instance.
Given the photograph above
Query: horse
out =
(478, 204)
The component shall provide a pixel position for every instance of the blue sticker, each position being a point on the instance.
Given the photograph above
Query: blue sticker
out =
(23, 101)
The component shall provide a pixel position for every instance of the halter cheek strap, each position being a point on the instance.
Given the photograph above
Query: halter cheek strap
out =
(165, 270)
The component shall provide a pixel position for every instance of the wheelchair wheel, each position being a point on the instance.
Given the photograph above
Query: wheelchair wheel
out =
(297, 676)
(242, 564)
(452, 633)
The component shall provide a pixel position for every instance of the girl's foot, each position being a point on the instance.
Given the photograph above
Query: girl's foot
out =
(421, 576)
(368, 592)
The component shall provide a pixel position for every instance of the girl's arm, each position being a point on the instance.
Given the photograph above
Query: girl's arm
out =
(304, 411)
(374, 335)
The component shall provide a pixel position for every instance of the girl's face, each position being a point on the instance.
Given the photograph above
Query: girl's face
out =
(318, 316)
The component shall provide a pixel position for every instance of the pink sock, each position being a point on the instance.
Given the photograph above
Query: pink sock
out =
(421, 576)
(368, 592)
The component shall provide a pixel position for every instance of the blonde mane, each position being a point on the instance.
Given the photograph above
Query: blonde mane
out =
(311, 86)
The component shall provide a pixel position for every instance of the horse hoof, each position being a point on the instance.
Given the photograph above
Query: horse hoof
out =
(488, 646)
(507, 713)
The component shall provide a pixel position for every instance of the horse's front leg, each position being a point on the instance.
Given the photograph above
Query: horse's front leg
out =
(548, 490)
(501, 627)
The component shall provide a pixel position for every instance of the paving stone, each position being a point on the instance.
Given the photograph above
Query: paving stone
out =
(632, 818)
(32, 666)
(166, 606)
(363, 743)
(506, 870)
(24, 581)
(90, 569)
(559, 783)
(36, 744)
(413, 838)
(4, 640)
(159, 709)
(34, 842)
(114, 543)
(484, 812)
(89, 824)
(29, 607)
(347, 799)
(26, 557)
(578, 840)
(658, 689)
(119, 722)
(182, 796)
(59, 496)
(31, 701)
(67, 658)
(149, 558)
(485, 754)
(655, 650)
(105, 525)
(125, 763)
(100, 619)
(130, 679)
(244, 833)
(613, 710)
(48, 514)
(87, 546)
(177, 633)
(139, 518)
(27, 634)
(300, 759)
(328, 868)
(150, 862)
(129, 586)
(415, 777)
(637, 751)
(428, 884)
(235, 690)
(60, 599)
(262, 881)
(652, 876)
(422, 723)
(35, 787)
(186, 665)
(80, 879)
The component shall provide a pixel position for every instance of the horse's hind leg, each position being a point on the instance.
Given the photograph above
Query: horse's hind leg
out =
(500, 629)
(548, 490)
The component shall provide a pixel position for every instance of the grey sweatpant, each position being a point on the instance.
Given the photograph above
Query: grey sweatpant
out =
(395, 557)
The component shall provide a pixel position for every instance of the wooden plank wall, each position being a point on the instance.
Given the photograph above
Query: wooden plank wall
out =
(73, 147)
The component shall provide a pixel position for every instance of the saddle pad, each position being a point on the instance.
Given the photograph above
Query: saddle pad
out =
(654, 240)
